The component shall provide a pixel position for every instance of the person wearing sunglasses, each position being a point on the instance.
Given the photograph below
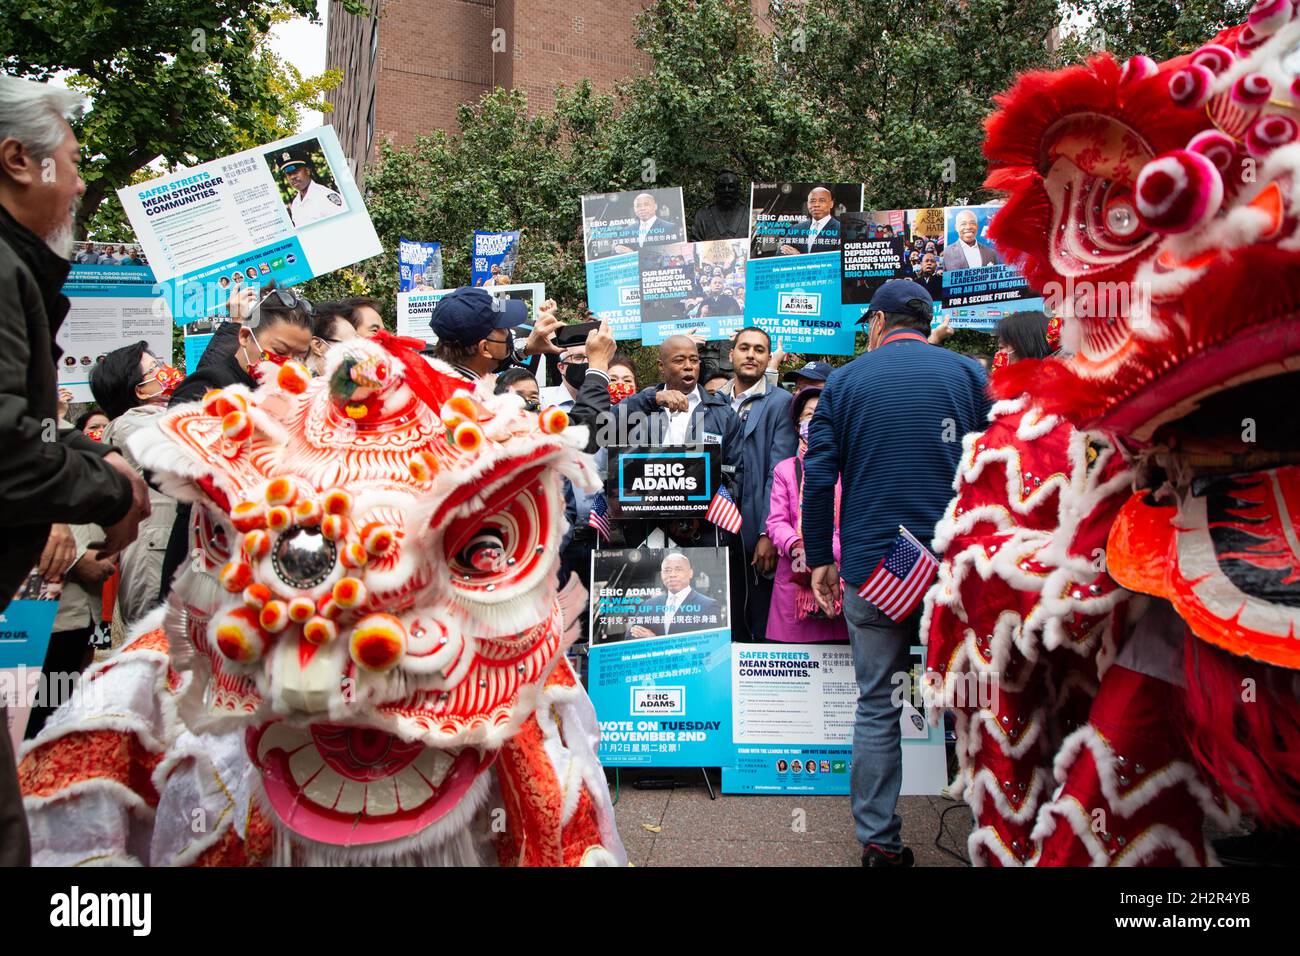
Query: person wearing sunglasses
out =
(278, 329)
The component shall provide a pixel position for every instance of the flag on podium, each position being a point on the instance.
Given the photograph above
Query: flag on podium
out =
(598, 518)
(723, 511)
(900, 580)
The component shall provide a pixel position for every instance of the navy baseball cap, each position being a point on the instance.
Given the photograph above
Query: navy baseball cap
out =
(813, 371)
(896, 296)
(468, 315)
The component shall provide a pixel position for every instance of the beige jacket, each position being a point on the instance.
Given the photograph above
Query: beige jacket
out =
(141, 563)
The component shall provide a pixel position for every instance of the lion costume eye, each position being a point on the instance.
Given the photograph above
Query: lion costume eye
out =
(303, 558)
(485, 552)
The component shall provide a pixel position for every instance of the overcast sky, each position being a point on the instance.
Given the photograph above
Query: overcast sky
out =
(302, 43)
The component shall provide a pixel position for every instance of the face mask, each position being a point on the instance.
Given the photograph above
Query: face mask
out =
(269, 358)
(511, 357)
(804, 428)
(167, 378)
(619, 391)
(574, 374)
(1000, 359)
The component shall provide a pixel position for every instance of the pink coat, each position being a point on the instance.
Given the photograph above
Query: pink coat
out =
(783, 532)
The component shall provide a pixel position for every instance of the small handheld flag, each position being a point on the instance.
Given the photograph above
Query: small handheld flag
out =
(723, 511)
(599, 516)
(900, 580)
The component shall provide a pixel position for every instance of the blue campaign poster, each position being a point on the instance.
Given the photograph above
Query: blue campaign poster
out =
(614, 293)
(493, 257)
(25, 627)
(693, 288)
(419, 266)
(979, 288)
(793, 709)
(660, 657)
(615, 227)
(793, 278)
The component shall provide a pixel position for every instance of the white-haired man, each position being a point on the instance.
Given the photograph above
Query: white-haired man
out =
(48, 476)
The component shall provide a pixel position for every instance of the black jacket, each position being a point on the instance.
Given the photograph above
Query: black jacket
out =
(217, 368)
(46, 476)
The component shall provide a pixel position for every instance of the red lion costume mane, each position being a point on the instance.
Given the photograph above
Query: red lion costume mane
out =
(1122, 560)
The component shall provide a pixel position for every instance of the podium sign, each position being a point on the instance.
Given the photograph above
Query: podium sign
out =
(667, 481)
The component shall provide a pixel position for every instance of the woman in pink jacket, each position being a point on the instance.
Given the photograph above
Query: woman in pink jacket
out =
(794, 615)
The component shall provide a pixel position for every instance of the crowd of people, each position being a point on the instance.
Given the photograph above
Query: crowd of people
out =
(821, 467)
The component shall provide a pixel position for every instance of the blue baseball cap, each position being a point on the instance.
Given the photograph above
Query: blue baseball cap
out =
(899, 295)
(468, 315)
(813, 371)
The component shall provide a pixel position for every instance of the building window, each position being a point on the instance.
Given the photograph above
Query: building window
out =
(370, 124)
(374, 38)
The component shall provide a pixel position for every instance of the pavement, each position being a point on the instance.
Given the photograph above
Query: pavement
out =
(683, 827)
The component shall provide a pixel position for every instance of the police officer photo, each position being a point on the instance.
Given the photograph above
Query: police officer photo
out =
(313, 200)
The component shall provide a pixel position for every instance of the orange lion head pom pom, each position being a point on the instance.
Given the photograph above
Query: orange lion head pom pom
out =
(378, 642)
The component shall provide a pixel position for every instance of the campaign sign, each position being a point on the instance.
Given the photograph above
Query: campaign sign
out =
(692, 288)
(419, 266)
(658, 666)
(197, 337)
(793, 711)
(287, 211)
(979, 288)
(493, 256)
(793, 279)
(112, 303)
(414, 309)
(676, 481)
(615, 227)
(25, 627)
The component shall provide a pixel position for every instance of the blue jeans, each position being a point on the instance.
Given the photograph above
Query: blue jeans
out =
(880, 651)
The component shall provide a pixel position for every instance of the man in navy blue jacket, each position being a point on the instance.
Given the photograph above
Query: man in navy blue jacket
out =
(681, 412)
(767, 436)
(889, 426)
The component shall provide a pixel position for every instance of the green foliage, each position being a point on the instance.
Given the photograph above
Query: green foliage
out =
(1159, 28)
(182, 80)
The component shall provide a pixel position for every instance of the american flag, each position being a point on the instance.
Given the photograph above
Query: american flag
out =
(598, 518)
(723, 511)
(900, 580)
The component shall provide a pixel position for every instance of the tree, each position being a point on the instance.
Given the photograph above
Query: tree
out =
(1158, 28)
(186, 81)
(905, 86)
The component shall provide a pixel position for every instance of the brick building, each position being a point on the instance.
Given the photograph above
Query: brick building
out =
(408, 67)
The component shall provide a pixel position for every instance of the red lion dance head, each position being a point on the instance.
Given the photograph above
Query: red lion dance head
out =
(1157, 207)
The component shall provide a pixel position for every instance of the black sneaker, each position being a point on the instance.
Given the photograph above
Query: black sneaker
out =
(875, 856)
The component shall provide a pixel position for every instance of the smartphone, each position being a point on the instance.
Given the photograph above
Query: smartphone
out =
(575, 334)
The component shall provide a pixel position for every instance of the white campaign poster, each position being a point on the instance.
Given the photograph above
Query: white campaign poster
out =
(793, 709)
(415, 308)
(113, 304)
(287, 211)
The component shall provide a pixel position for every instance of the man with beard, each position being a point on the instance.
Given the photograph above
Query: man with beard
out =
(767, 436)
(47, 475)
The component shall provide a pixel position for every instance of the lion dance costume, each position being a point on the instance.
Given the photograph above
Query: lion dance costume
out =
(1122, 559)
(364, 660)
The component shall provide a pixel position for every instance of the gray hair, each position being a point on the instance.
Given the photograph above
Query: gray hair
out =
(32, 113)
